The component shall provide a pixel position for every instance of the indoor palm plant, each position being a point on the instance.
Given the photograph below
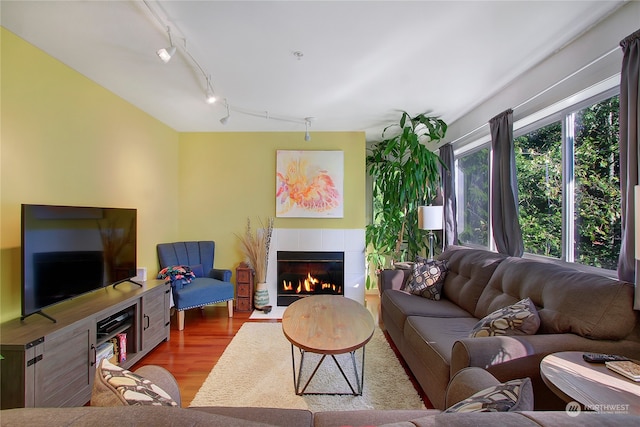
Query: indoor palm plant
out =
(406, 175)
(255, 248)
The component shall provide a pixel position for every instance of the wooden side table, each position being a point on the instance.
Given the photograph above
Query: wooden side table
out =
(244, 288)
(592, 385)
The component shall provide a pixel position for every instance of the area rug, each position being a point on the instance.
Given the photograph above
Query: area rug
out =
(256, 370)
(275, 313)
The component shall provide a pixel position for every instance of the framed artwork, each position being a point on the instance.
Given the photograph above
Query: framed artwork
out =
(309, 184)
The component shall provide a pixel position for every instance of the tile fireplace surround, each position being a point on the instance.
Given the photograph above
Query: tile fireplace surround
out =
(349, 241)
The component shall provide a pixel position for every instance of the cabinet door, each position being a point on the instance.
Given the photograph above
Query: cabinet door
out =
(155, 317)
(64, 374)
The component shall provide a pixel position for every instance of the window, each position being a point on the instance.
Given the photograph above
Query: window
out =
(597, 208)
(539, 169)
(568, 186)
(473, 197)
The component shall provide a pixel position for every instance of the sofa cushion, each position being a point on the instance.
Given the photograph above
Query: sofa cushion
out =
(197, 270)
(116, 386)
(520, 318)
(426, 278)
(398, 305)
(561, 295)
(469, 271)
(202, 291)
(430, 340)
(514, 395)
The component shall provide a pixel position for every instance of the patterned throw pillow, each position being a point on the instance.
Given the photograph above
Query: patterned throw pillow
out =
(426, 278)
(514, 395)
(520, 318)
(115, 386)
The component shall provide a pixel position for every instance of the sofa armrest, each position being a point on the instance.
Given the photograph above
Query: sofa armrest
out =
(467, 382)
(220, 274)
(392, 279)
(510, 357)
(163, 379)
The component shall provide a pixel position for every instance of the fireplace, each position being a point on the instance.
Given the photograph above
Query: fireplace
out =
(301, 274)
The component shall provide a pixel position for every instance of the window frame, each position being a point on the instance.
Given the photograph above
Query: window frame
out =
(566, 116)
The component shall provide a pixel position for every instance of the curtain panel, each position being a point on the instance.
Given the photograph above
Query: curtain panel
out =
(449, 189)
(629, 144)
(504, 187)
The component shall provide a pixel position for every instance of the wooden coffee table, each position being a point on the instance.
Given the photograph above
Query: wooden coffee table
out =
(328, 325)
(593, 385)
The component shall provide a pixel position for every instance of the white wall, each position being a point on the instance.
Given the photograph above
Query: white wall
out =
(590, 59)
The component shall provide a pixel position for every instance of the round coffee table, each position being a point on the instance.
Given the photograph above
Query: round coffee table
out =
(593, 385)
(328, 325)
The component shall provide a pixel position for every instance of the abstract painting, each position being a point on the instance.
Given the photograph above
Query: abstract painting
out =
(309, 184)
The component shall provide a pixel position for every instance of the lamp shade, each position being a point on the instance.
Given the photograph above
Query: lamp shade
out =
(636, 216)
(430, 217)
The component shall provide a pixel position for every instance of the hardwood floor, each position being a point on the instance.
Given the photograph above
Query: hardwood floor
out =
(190, 354)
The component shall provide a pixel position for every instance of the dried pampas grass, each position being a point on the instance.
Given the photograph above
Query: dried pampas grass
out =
(255, 247)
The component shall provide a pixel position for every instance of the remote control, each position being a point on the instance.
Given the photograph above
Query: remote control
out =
(601, 357)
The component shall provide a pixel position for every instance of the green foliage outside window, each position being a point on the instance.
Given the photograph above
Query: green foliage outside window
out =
(473, 198)
(597, 176)
(539, 168)
(596, 196)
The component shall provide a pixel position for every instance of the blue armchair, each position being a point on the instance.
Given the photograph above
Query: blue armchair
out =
(210, 286)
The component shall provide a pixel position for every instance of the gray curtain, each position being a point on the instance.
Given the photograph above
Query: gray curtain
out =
(504, 187)
(629, 144)
(449, 189)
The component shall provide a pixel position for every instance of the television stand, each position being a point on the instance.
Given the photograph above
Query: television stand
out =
(54, 364)
(41, 314)
(127, 280)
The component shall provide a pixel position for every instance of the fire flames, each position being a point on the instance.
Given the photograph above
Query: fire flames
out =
(309, 285)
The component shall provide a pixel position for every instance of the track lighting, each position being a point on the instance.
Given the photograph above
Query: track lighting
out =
(226, 119)
(211, 97)
(307, 123)
(167, 52)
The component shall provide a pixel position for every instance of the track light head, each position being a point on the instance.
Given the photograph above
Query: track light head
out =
(307, 123)
(166, 53)
(211, 97)
(226, 119)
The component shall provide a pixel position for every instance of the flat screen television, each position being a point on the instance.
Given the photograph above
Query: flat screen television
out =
(71, 250)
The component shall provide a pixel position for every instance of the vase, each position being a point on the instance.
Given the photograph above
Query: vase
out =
(261, 296)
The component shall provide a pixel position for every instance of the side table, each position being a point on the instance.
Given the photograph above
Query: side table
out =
(244, 288)
(593, 385)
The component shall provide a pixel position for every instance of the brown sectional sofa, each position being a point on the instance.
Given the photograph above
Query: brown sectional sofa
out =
(578, 311)
(465, 383)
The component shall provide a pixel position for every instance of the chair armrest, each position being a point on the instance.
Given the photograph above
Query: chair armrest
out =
(467, 382)
(220, 274)
(163, 379)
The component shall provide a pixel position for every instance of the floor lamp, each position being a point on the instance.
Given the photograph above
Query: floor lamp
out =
(430, 218)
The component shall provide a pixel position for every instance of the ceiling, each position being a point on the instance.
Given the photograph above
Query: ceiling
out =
(349, 65)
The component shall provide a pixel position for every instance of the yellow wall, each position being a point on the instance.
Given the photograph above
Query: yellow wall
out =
(66, 140)
(226, 178)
